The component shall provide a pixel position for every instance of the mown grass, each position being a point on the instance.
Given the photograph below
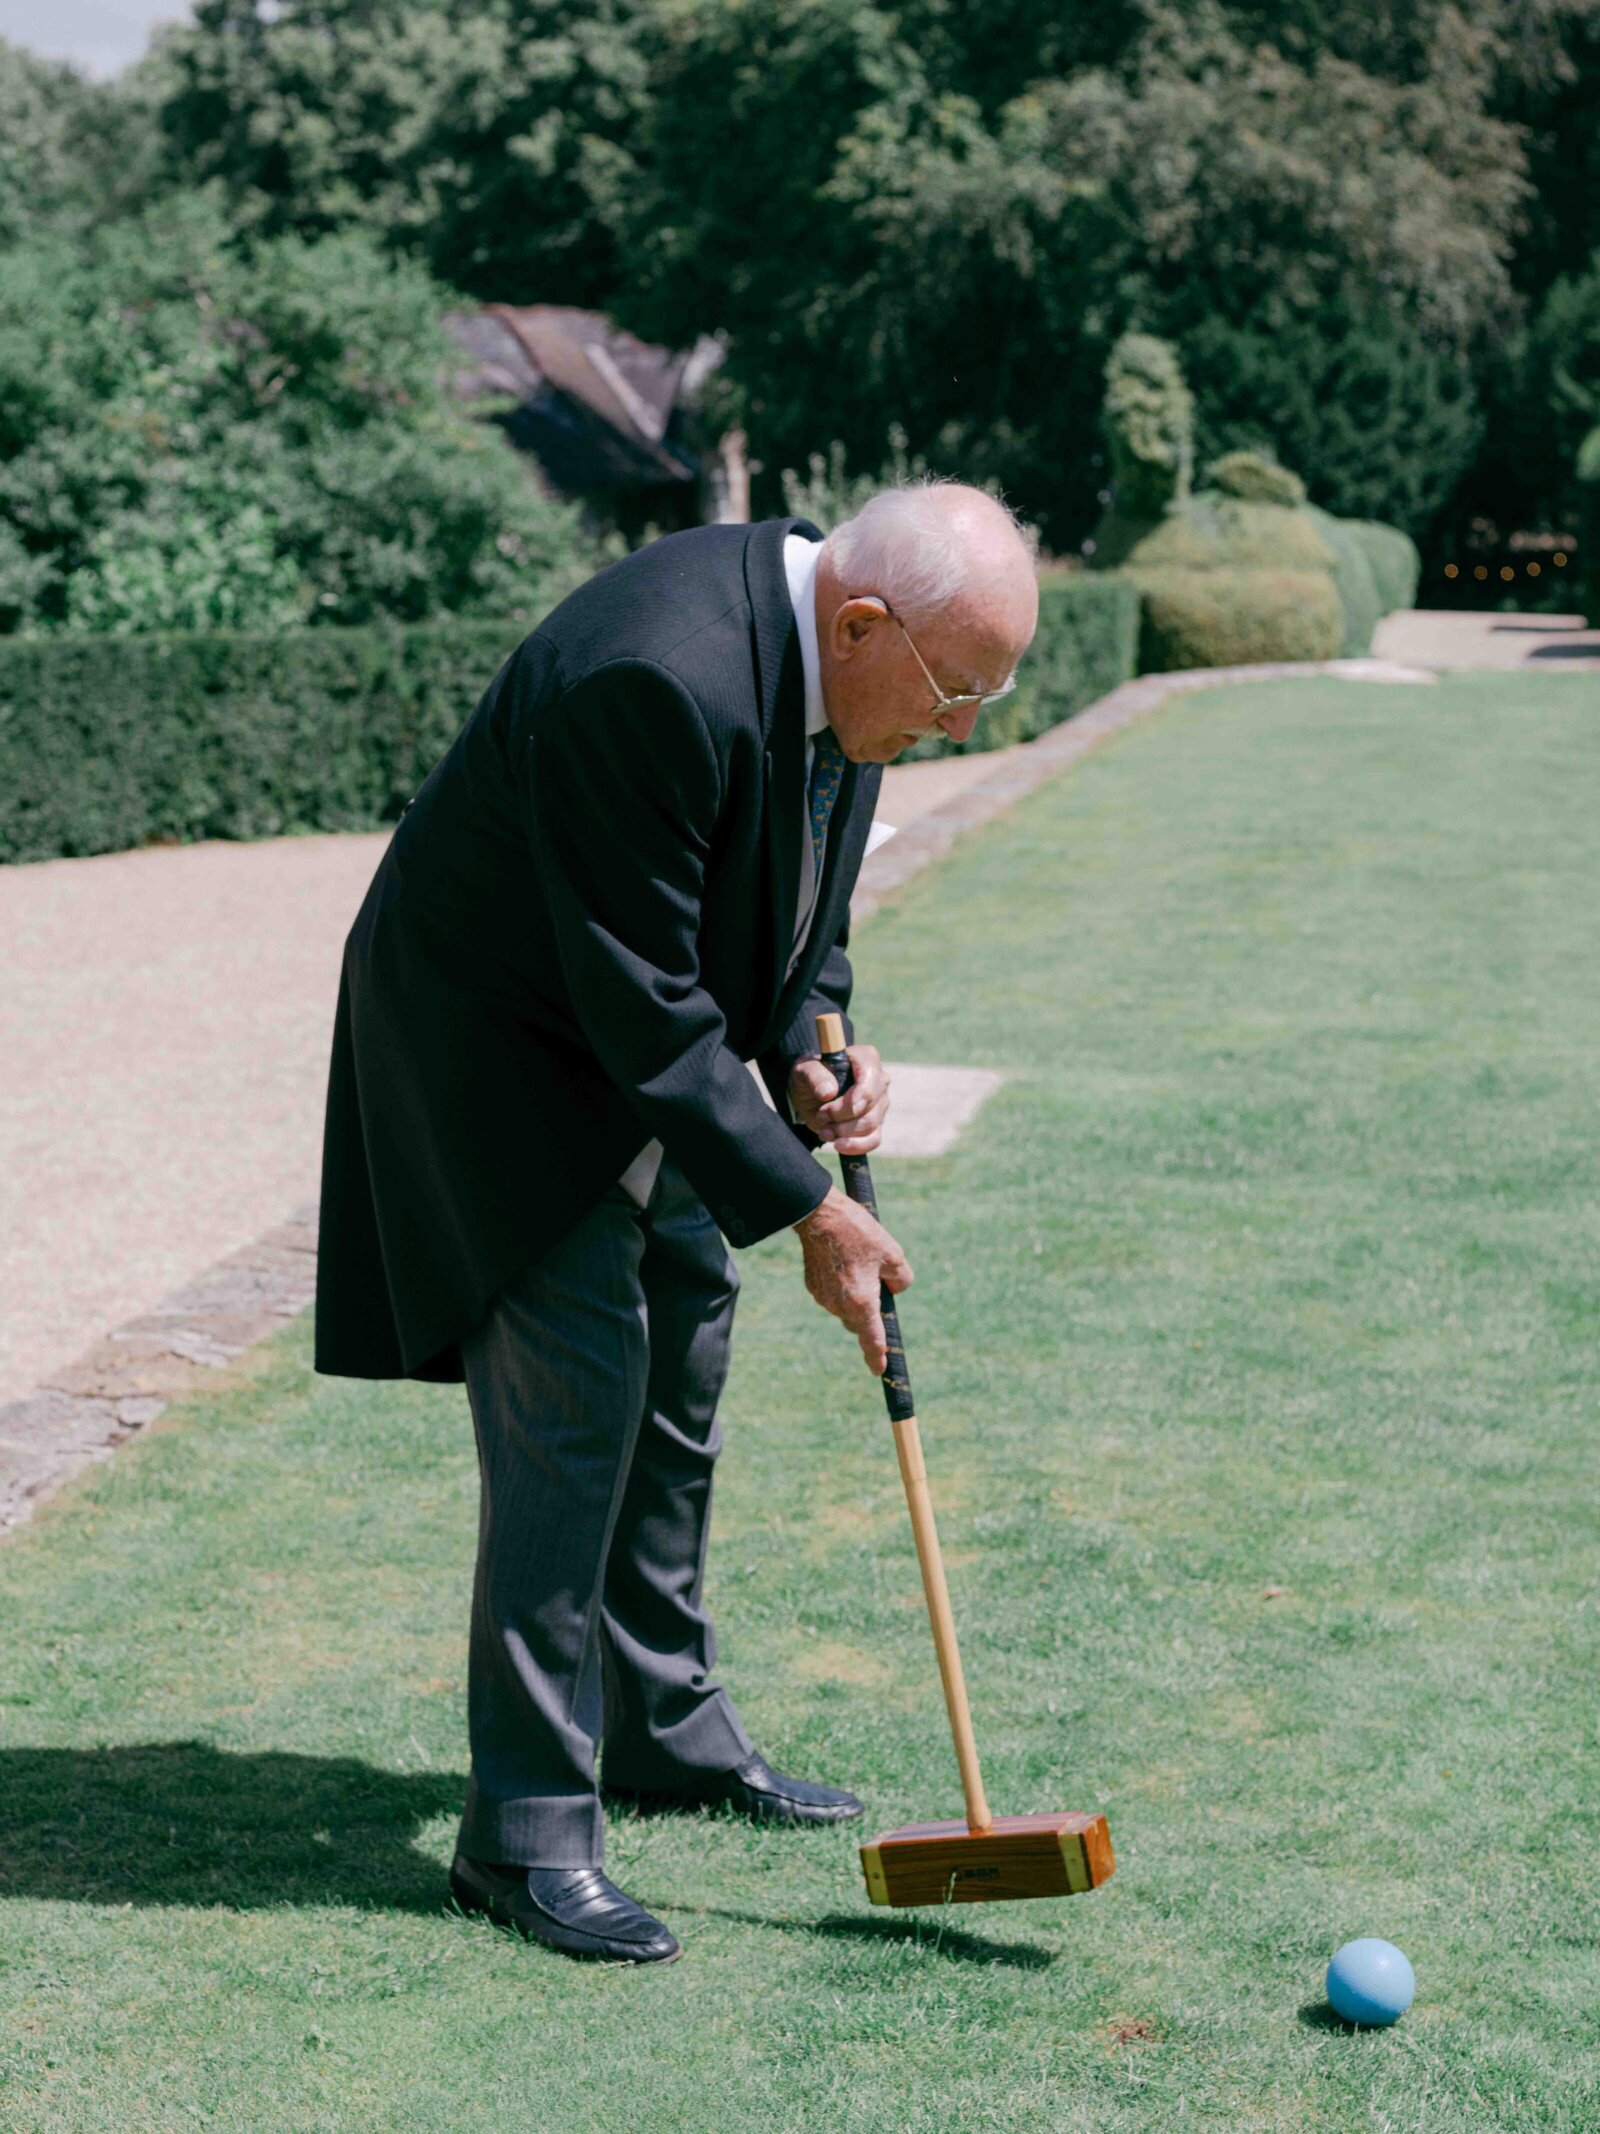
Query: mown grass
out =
(1255, 1343)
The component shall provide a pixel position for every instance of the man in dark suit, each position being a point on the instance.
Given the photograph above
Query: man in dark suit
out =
(629, 875)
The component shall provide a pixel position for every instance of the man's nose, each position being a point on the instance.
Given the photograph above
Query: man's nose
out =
(959, 724)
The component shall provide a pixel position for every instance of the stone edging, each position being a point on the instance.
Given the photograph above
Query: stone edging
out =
(83, 1411)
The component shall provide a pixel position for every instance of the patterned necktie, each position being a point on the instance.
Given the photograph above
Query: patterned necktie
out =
(827, 775)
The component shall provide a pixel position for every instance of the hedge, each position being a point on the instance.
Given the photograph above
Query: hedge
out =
(1086, 645)
(112, 742)
(107, 743)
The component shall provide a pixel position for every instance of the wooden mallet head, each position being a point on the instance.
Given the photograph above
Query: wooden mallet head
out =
(985, 1860)
(1017, 1856)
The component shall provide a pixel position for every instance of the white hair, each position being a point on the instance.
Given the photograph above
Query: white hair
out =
(910, 545)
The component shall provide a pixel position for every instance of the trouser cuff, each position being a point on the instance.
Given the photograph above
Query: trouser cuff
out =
(708, 1739)
(540, 1830)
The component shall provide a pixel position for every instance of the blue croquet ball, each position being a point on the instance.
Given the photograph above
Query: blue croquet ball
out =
(1370, 1981)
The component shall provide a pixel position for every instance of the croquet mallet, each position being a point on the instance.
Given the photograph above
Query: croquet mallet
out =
(986, 1859)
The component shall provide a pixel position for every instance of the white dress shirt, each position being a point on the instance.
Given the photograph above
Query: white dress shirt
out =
(800, 565)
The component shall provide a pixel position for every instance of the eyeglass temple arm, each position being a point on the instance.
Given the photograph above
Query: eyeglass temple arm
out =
(946, 703)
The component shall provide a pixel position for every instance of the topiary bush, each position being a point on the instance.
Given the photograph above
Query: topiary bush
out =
(1353, 581)
(1256, 478)
(1227, 581)
(1210, 531)
(1245, 571)
(1233, 616)
(1394, 560)
(1148, 417)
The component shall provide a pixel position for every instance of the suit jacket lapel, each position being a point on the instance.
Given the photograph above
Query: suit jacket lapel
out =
(841, 862)
(785, 766)
(780, 678)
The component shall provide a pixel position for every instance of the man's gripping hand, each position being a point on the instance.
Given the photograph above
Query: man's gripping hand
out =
(852, 1124)
(848, 1254)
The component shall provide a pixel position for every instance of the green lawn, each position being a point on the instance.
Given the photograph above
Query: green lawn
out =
(1255, 1339)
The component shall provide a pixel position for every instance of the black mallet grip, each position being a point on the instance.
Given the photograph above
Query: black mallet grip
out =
(858, 1184)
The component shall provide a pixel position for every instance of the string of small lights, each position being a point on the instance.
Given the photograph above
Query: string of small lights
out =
(1508, 571)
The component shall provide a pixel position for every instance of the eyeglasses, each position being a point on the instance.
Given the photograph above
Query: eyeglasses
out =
(946, 704)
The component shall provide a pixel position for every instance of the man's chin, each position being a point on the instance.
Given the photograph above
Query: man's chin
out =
(884, 751)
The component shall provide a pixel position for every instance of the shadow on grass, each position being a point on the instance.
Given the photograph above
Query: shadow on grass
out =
(181, 1822)
(1317, 2015)
(928, 1929)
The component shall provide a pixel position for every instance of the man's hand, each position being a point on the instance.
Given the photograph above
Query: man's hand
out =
(847, 1255)
(852, 1124)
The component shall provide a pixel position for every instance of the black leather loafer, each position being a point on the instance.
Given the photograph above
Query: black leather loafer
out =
(751, 1789)
(573, 1909)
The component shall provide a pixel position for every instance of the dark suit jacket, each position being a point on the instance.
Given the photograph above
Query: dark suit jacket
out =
(577, 934)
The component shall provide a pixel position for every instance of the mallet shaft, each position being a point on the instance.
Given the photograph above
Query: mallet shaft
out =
(908, 1446)
(913, 1473)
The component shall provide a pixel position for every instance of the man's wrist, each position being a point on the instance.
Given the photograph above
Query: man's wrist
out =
(810, 1223)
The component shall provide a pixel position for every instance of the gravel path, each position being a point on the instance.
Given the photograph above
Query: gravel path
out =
(165, 1019)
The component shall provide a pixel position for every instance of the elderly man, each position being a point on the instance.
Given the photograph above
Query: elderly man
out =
(628, 875)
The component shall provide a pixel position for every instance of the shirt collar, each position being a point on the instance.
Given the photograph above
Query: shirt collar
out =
(800, 564)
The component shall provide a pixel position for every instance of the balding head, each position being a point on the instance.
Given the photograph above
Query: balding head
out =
(931, 545)
(934, 568)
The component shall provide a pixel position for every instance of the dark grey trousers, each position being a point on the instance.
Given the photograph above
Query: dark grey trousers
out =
(594, 1382)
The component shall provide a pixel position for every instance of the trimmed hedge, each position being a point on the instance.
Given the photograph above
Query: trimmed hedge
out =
(112, 742)
(107, 743)
(1245, 570)
(1085, 646)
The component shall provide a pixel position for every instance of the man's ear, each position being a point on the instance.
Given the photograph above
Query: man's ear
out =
(853, 623)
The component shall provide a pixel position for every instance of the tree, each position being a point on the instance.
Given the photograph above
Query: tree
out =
(485, 137)
(1385, 425)
(946, 215)
(72, 151)
(192, 437)
(967, 267)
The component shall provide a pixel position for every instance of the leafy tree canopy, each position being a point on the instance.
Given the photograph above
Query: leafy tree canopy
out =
(933, 213)
(488, 137)
(71, 151)
(1343, 214)
(191, 437)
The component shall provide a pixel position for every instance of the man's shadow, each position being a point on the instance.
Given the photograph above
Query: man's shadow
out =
(180, 1822)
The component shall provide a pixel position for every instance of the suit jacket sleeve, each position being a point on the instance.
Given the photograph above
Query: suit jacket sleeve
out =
(624, 792)
(830, 994)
